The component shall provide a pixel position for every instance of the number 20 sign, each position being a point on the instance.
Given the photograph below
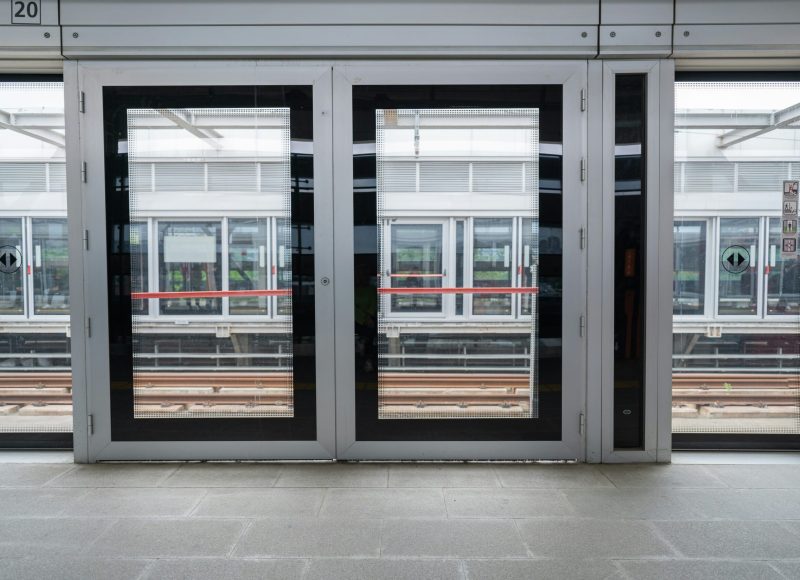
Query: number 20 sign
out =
(26, 11)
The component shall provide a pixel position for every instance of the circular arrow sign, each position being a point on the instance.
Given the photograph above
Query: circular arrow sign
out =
(10, 259)
(735, 259)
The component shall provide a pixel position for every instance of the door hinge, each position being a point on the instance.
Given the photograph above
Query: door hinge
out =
(583, 169)
(90, 425)
(582, 325)
(83, 172)
(82, 102)
(582, 423)
(583, 99)
(88, 327)
(582, 237)
(86, 240)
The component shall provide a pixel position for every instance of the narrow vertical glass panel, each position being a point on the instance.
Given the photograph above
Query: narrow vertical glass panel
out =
(629, 260)
(248, 264)
(459, 266)
(287, 237)
(135, 244)
(526, 266)
(12, 293)
(416, 263)
(492, 265)
(35, 370)
(738, 283)
(688, 267)
(192, 358)
(735, 374)
(429, 366)
(783, 275)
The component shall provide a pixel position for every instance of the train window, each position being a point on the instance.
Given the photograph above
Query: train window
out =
(735, 359)
(416, 264)
(783, 277)
(248, 264)
(738, 288)
(50, 266)
(190, 267)
(35, 377)
(12, 293)
(689, 267)
(492, 265)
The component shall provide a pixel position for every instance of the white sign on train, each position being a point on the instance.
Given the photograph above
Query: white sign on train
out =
(190, 249)
(26, 11)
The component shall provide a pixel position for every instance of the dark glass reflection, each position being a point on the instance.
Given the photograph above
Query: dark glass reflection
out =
(366, 101)
(116, 102)
(629, 260)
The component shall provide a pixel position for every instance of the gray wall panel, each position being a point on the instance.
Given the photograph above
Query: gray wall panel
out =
(636, 12)
(737, 12)
(389, 12)
(328, 41)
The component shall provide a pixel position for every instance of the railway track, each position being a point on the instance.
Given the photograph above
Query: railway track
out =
(404, 390)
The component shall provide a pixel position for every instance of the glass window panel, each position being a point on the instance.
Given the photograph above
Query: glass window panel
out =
(237, 369)
(688, 267)
(735, 378)
(434, 362)
(248, 264)
(783, 280)
(50, 266)
(492, 265)
(12, 293)
(35, 371)
(416, 263)
(738, 291)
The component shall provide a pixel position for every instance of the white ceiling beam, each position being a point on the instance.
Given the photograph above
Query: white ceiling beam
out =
(778, 120)
(8, 121)
(184, 122)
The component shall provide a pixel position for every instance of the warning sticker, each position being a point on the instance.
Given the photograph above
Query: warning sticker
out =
(789, 237)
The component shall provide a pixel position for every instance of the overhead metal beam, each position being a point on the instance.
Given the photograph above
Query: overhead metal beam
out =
(38, 118)
(8, 121)
(721, 119)
(184, 122)
(778, 120)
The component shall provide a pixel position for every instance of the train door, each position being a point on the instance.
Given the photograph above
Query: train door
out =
(208, 317)
(459, 201)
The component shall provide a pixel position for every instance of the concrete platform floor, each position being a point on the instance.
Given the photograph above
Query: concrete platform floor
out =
(408, 521)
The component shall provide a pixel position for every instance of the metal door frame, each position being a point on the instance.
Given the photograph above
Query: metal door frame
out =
(84, 82)
(573, 76)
